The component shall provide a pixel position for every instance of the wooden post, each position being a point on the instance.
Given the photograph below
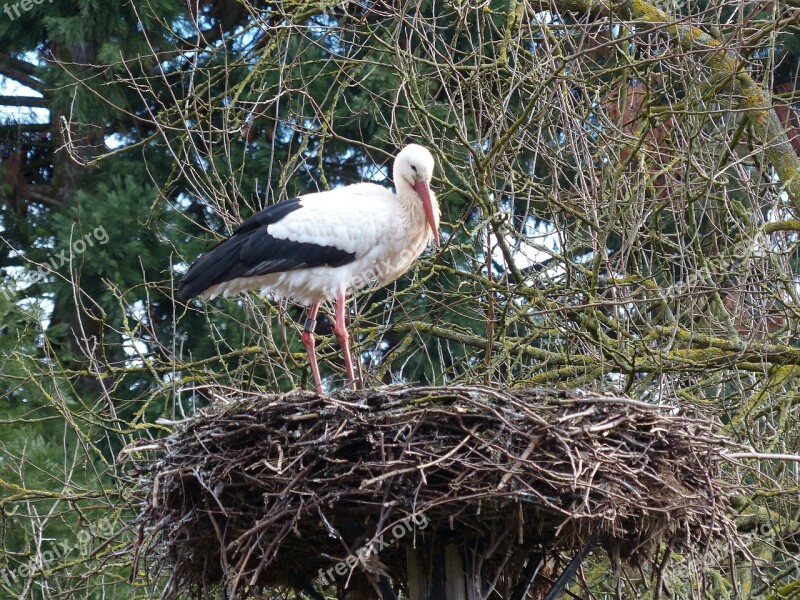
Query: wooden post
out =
(455, 575)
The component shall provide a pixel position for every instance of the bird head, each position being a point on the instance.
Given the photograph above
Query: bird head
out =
(414, 167)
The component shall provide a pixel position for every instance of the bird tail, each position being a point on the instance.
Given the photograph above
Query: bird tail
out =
(210, 269)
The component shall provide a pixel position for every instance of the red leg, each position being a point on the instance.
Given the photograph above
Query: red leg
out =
(308, 341)
(341, 332)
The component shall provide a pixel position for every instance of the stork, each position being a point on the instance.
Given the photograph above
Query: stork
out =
(324, 245)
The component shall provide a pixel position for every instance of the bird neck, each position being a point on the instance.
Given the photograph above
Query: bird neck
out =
(411, 203)
(407, 196)
(402, 185)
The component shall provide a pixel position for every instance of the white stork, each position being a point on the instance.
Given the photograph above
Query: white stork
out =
(320, 246)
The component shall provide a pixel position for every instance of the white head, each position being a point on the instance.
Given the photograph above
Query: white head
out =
(413, 168)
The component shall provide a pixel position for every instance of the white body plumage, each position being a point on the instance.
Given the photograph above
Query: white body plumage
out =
(386, 233)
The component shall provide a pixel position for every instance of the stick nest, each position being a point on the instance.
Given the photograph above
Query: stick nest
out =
(276, 490)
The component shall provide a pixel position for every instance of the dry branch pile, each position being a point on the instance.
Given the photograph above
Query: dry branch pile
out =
(276, 490)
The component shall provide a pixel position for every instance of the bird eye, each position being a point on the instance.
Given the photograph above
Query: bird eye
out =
(413, 168)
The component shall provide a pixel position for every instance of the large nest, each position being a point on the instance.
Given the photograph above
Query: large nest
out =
(278, 490)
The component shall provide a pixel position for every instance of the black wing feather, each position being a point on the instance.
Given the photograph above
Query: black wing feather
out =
(251, 251)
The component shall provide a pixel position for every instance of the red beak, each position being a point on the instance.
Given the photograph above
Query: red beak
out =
(423, 189)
